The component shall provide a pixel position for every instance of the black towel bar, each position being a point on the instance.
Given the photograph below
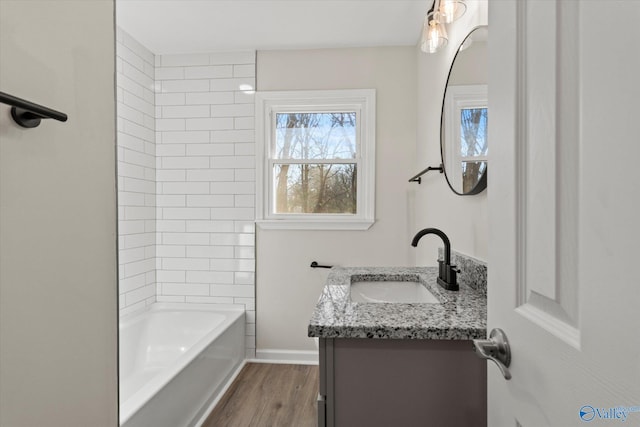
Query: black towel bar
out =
(314, 264)
(418, 177)
(28, 114)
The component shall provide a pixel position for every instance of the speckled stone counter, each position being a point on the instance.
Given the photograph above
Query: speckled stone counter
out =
(461, 315)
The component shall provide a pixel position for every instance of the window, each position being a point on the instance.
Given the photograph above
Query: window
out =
(473, 146)
(316, 159)
(466, 126)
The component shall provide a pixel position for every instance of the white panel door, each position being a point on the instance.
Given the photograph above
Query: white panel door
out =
(564, 200)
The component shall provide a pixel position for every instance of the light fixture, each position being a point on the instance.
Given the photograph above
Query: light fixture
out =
(434, 35)
(450, 10)
(434, 32)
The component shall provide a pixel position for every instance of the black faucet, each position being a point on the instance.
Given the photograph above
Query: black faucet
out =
(447, 273)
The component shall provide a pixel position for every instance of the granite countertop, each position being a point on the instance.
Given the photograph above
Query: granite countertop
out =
(462, 315)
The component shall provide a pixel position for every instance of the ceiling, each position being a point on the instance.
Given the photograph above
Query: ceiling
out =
(189, 26)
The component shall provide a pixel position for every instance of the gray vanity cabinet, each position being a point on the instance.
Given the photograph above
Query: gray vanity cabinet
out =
(399, 364)
(401, 383)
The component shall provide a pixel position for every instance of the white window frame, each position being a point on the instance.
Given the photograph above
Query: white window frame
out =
(363, 102)
(460, 97)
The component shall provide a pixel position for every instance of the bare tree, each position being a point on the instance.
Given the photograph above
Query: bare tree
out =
(316, 187)
(474, 125)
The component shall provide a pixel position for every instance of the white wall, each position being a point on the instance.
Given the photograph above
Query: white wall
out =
(472, 68)
(135, 67)
(205, 170)
(287, 289)
(463, 218)
(58, 280)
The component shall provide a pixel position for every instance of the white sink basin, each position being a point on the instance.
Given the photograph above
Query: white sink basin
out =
(391, 291)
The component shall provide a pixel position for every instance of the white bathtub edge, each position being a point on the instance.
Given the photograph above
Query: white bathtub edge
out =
(179, 306)
(221, 393)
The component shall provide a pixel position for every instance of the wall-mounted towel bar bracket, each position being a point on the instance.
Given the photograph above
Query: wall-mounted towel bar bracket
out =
(418, 177)
(28, 114)
(314, 264)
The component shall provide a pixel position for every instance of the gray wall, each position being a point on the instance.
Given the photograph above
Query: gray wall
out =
(463, 218)
(287, 289)
(58, 281)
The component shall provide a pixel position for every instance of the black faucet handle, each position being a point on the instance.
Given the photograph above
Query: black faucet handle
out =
(447, 276)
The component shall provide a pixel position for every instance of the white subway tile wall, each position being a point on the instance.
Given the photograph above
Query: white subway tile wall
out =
(186, 178)
(205, 180)
(136, 173)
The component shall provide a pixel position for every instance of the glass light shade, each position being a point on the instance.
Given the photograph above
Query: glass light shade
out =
(450, 10)
(434, 34)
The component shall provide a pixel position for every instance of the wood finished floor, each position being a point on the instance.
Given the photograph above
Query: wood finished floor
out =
(269, 395)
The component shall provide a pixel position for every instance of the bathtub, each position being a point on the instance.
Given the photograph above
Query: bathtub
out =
(175, 361)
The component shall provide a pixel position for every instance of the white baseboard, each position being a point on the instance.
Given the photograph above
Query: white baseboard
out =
(297, 357)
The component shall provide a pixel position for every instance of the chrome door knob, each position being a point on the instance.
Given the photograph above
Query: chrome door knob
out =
(496, 349)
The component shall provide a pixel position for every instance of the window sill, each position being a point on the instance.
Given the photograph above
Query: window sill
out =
(309, 224)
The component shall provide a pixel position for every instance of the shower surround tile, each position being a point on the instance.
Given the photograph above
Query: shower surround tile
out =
(202, 134)
(136, 174)
(186, 178)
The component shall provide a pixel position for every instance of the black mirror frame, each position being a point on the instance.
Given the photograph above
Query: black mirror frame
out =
(481, 185)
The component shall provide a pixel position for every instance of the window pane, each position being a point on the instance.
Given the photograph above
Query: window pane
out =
(473, 132)
(316, 136)
(315, 188)
(471, 174)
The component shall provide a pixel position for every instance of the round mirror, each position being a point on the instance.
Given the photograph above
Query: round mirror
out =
(463, 127)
